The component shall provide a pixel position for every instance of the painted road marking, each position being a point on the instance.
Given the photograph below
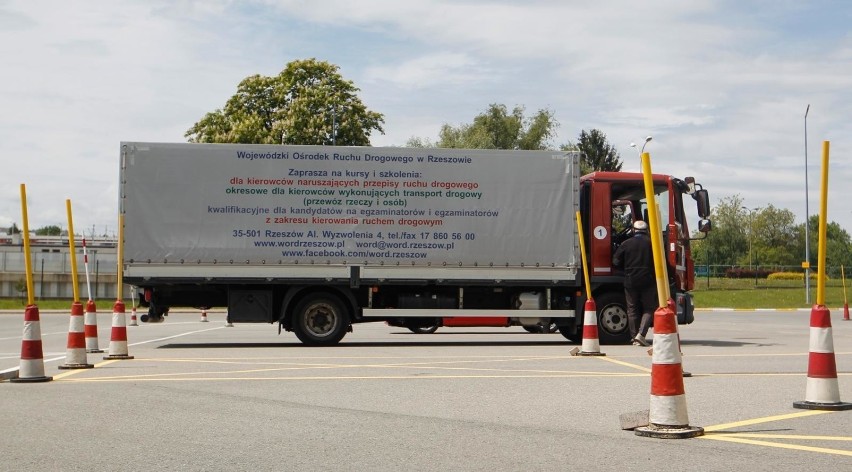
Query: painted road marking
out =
(717, 433)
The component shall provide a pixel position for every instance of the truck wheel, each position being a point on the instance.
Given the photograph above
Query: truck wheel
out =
(320, 320)
(423, 329)
(612, 319)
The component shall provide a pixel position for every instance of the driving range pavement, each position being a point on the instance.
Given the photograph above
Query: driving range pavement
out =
(204, 396)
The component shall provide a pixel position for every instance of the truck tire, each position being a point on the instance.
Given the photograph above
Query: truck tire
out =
(320, 320)
(612, 318)
(423, 329)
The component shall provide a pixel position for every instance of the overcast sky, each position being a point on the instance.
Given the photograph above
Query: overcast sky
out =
(722, 86)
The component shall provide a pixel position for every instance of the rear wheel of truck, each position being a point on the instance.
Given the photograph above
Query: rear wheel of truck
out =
(612, 318)
(423, 329)
(320, 320)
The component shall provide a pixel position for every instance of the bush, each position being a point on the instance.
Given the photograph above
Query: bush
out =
(793, 276)
(743, 273)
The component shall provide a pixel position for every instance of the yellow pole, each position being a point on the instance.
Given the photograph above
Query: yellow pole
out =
(654, 228)
(843, 279)
(73, 251)
(583, 256)
(823, 214)
(28, 263)
(119, 292)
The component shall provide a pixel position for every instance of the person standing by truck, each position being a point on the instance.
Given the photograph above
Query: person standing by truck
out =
(636, 258)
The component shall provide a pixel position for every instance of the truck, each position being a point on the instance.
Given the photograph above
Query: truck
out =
(319, 239)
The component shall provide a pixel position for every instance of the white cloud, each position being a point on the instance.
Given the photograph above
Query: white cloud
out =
(721, 87)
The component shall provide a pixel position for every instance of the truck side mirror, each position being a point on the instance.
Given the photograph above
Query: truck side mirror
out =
(703, 200)
(704, 226)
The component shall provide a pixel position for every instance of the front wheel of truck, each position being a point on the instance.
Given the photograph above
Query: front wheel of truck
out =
(612, 318)
(320, 319)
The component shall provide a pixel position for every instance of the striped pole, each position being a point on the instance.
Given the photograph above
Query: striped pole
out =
(118, 336)
(75, 356)
(822, 391)
(32, 355)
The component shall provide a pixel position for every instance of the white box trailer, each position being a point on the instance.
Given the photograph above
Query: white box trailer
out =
(319, 238)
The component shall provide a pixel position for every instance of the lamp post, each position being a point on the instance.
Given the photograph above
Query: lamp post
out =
(647, 140)
(751, 212)
(807, 262)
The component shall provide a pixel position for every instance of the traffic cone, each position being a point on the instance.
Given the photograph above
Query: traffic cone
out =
(118, 337)
(133, 317)
(822, 391)
(32, 356)
(591, 345)
(75, 356)
(91, 327)
(845, 312)
(667, 417)
(204, 316)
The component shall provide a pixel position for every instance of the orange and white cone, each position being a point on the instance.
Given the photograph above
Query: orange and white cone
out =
(591, 345)
(133, 317)
(75, 356)
(204, 316)
(118, 337)
(32, 355)
(822, 391)
(667, 417)
(91, 327)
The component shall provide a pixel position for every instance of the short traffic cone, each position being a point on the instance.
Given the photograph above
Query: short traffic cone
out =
(667, 417)
(118, 337)
(822, 391)
(204, 316)
(32, 356)
(591, 345)
(75, 356)
(133, 317)
(91, 327)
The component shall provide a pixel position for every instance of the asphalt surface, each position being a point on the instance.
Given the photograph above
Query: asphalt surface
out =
(203, 396)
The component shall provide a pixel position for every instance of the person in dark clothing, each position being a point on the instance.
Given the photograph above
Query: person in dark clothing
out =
(636, 258)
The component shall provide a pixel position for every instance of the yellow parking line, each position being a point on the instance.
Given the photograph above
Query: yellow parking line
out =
(765, 419)
(75, 371)
(622, 363)
(728, 438)
(789, 436)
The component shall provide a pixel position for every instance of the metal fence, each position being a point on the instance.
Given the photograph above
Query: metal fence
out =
(52, 275)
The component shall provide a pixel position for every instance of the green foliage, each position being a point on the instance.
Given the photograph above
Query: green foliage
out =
(792, 276)
(598, 154)
(309, 102)
(496, 128)
(13, 229)
(52, 230)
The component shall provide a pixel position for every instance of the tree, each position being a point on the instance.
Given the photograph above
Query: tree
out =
(51, 230)
(309, 102)
(13, 229)
(496, 128)
(727, 244)
(598, 154)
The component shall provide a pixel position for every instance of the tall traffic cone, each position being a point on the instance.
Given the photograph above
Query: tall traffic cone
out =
(91, 327)
(845, 312)
(667, 417)
(75, 356)
(133, 317)
(204, 315)
(591, 345)
(118, 337)
(822, 391)
(32, 355)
